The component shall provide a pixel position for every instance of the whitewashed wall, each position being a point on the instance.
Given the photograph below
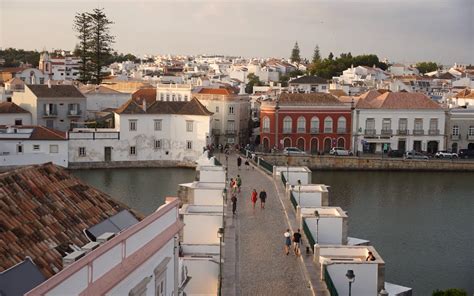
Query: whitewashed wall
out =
(205, 274)
(29, 156)
(365, 283)
(99, 101)
(9, 118)
(203, 196)
(201, 228)
(329, 230)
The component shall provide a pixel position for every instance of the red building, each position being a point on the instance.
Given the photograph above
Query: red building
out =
(313, 122)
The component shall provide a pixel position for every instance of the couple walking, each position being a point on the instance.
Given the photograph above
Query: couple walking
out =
(296, 239)
(262, 196)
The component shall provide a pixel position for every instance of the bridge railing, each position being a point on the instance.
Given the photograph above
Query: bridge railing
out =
(308, 234)
(293, 200)
(327, 278)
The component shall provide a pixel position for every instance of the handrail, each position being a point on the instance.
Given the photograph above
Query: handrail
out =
(308, 233)
(327, 278)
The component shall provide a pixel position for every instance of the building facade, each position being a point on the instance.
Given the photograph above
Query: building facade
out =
(398, 121)
(173, 92)
(308, 84)
(460, 129)
(12, 114)
(60, 107)
(314, 123)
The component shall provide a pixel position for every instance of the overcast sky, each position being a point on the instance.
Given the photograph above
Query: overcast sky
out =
(400, 30)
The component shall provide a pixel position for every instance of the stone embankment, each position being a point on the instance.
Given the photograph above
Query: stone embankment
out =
(326, 162)
(132, 164)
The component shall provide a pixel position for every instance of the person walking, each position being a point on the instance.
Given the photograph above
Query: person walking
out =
(287, 236)
(263, 197)
(254, 197)
(297, 242)
(247, 164)
(233, 199)
(231, 185)
(239, 162)
(238, 181)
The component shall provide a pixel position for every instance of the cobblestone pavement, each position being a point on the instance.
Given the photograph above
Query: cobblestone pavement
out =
(263, 268)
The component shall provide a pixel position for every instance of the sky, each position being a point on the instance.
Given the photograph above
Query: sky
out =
(404, 31)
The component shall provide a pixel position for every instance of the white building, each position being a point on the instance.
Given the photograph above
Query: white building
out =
(308, 84)
(328, 228)
(60, 68)
(173, 92)
(402, 70)
(99, 97)
(26, 145)
(398, 121)
(310, 195)
(12, 114)
(371, 76)
(171, 133)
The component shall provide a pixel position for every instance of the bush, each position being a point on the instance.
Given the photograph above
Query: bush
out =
(450, 292)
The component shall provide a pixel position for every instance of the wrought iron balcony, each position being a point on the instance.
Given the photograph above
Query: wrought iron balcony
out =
(216, 131)
(287, 130)
(328, 130)
(418, 132)
(341, 130)
(230, 132)
(314, 130)
(386, 132)
(74, 113)
(402, 132)
(455, 137)
(50, 113)
(301, 130)
(369, 132)
(266, 129)
(433, 132)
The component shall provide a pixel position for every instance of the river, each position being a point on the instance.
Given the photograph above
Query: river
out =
(420, 223)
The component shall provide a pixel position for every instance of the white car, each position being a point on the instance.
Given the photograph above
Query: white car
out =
(445, 154)
(292, 150)
(339, 151)
(415, 155)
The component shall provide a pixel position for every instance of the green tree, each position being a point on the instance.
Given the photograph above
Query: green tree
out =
(450, 292)
(252, 80)
(15, 57)
(83, 26)
(316, 55)
(295, 54)
(425, 67)
(100, 43)
(331, 56)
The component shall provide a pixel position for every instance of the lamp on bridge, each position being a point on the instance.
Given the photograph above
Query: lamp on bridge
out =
(351, 278)
(299, 192)
(220, 235)
(316, 215)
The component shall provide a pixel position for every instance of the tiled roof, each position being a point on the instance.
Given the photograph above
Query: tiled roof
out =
(147, 94)
(465, 93)
(100, 89)
(337, 92)
(308, 80)
(56, 91)
(39, 133)
(321, 99)
(192, 107)
(45, 209)
(214, 91)
(10, 107)
(398, 100)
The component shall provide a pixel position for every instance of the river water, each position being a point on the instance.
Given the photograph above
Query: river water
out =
(420, 223)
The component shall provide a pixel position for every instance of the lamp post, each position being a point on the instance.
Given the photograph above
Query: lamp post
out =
(299, 192)
(316, 215)
(287, 166)
(220, 235)
(351, 277)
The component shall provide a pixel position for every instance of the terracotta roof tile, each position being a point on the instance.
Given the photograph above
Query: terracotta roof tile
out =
(147, 94)
(56, 91)
(10, 107)
(398, 100)
(214, 91)
(192, 107)
(39, 210)
(92, 88)
(321, 99)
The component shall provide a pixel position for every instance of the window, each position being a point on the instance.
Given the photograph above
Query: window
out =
(301, 124)
(133, 150)
(185, 97)
(157, 144)
(160, 276)
(315, 125)
(471, 131)
(386, 124)
(455, 130)
(328, 124)
(189, 125)
(287, 125)
(189, 145)
(53, 148)
(231, 109)
(132, 125)
(167, 97)
(162, 96)
(158, 124)
(173, 97)
(341, 124)
(82, 151)
(402, 124)
(36, 147)
(179, 97)
(19, 149)
(18, 122)
(230, 126)
(434, 124)
(418, 124)
(217, 109)
(217, 124)
(266, 124)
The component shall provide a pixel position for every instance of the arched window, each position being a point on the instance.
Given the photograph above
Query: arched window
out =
(315, 125)
(287, 122)
(328, 125)
(179, 97)
(287, 142)
(341, 143)
(266, 124)
(301, 124)
(300, 144)
(341, 125)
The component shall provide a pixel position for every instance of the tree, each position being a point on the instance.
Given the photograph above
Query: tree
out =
(331, 56)
(295, 54)
(83, 26)
(425, 67)
(450, 292)
(253, 80)
(100, 43)
(316, 55)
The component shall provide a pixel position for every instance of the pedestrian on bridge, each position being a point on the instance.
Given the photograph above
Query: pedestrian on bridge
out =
(238, 181)
(239, 162)
(297, 242)
(254, 197)
(263, 198)
(287, 236)
(234, 203)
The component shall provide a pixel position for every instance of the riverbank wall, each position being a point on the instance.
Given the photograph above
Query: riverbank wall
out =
(326, 162)
(132, 164)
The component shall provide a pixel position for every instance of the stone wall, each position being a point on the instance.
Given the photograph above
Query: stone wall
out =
(325, 162)
(132, 164)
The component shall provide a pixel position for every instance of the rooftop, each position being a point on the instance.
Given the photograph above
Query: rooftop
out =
(31, 132)
(398, 100)
(55, 91)
(308, 80)
(192, 107)
(321, 99)
(10, 107)
(145, 94)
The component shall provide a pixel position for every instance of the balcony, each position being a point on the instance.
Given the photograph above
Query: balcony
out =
(455, 137)
(301, 130)
(433, 132)
(369, 132)
(402, 132)
(470, 137)
(230, 132)
(418, 132)
(342, 130)
(386, 132)
(287, 130)
(266, 130)
(216, 131)
(328, 130)
(314, 130)
(50, 113)
(73, 113)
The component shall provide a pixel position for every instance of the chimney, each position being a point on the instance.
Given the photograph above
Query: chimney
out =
(144, 105)
(49, 83)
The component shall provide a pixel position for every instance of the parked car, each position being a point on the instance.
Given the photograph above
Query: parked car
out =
(339, 151)
(466, 153)
(415, 155)
(292, 150)
(395, 153)
(446, 154)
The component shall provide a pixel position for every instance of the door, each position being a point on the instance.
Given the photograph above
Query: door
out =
(417, 146)
(432, 147)
(402, 145)
(314, 146)
(327, 145)
(108, 153)
(50, 123)
(300, 144)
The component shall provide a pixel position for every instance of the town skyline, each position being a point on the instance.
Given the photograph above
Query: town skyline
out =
(232, 29)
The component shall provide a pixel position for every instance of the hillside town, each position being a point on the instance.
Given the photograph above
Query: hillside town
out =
(215, 174)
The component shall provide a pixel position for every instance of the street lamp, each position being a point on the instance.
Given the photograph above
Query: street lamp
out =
(287, 166)
(351, 277)
(220, 235)
(316, 215)
(299, 192)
